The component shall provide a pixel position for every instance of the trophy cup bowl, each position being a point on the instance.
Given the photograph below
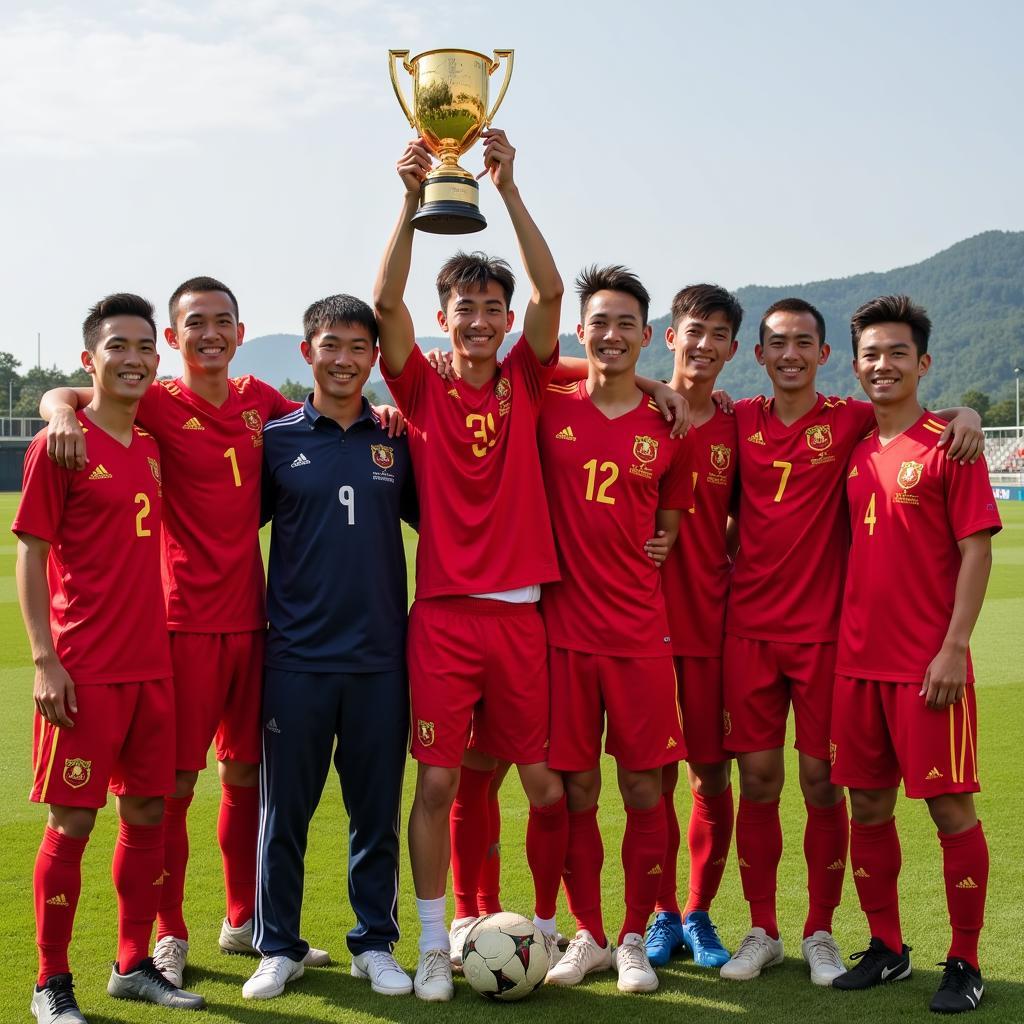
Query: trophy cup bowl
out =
(449, 111)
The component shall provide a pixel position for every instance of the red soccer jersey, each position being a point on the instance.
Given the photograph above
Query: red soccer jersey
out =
(103, 526)
(484, 524)
(788, 580)
(695, 576)
(606, 479)
(212, 458)
(909, 506)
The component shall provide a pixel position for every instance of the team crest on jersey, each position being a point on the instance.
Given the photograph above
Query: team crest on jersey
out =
(909, 474)
(721, 456)
(383, 456)
(503, 393)
(154, 467)
(645, 448)
(251, 418)
(819, 437)
(425, 732)
(77, 772)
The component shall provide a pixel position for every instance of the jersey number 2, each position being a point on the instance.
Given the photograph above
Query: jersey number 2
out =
(142, 501)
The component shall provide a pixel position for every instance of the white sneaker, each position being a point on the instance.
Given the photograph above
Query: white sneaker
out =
(386, 977)
(169, 957)
(270, 978)
(433, 980)
(457, 939)
(822, 953)
(582, 956)
(239, 941)
(551, 941)
(634, 969)
(756, 952)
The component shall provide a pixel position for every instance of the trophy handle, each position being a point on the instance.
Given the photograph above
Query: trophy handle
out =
(403, 55)
(509, 57)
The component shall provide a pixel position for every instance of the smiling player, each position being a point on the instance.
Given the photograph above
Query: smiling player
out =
(904, 703)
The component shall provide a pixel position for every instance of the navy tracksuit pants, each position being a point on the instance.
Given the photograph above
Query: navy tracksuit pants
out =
(303, 714)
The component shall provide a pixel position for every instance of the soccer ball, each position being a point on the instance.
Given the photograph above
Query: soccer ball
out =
(505, 957)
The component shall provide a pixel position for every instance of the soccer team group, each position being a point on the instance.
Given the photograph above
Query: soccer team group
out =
(598, 554)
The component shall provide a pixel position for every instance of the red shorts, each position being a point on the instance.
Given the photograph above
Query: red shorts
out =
(218, 690)
(760, 679)
(882, 732)
(638, 695)
(700, 697)
(475, 662)
(123, 740)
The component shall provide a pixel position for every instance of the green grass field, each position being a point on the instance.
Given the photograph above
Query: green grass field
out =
(784, 994)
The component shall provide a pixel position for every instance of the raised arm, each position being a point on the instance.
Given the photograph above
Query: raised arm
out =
(53, 691)
(946, 676)
(397, 334)
(540, 325)
(65, 442)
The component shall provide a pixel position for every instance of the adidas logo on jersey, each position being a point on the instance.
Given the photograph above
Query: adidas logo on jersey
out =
(192, 423)
(671, 743)
(967, 883)
(756, 438)
(934, 774)
(836, 865)
(565, 434)
(100, 473)
(853, 473)
(861, 873)
(301, 461)
(743, 863)
(60, 900)
(272, 726)
(720, 861)
(656, 870)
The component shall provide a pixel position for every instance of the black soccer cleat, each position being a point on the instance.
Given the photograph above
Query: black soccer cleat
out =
(960, 990)
(878, 966)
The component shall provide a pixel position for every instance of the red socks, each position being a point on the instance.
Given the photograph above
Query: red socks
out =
(965, 869)
(237, 827)
(709, 838)
(643, 854)
(488, 890)
(169, 919)
(137, 870)
(668, 899)
(876, 860)
(759, 850)
(467, 826)
(826, 842)
(56, 885)
(584, 859)
(547, 837)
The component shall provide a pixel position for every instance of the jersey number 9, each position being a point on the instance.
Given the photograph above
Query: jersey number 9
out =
(347, 498)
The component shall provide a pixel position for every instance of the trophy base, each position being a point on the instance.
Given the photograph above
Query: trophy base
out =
(449, 205)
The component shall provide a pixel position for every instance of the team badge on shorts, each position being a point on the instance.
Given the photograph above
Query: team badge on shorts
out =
(819, 437)
(645, 448)
(425, 732)
(909, 474)
(721, 456)
(726, 722)
(382, 455)
(77, 772)
(831, 753)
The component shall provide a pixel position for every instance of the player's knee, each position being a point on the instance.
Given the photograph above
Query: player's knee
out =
(761, 781)
(707, 780)
(872, 806)
(582, 790)
(542, 786)
(436, 788)
(185, 784)
(640, 790)
(141, 810)
(76, 822)
(236, 773)
(953, 812)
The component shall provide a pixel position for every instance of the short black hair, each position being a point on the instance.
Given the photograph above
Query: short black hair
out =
(194, 285)
(793, 305)
(892, 309)
(118, 304)
(701, 300)
(616, 278)
(474, 270)
(338, 309)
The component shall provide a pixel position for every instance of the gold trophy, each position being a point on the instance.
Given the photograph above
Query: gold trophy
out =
(449, 111)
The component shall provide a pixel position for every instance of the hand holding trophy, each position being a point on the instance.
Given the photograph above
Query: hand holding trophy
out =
(449, 112)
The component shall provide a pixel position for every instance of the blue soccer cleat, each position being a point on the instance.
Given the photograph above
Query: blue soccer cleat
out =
(664, 937)
(701, 937)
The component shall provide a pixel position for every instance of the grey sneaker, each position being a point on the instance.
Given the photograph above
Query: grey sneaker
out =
(385, 975)
(169, 956)
(55, 1002)
(239, 941)
(148, 985)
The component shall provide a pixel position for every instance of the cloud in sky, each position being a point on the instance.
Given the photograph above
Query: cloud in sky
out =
(160, 75)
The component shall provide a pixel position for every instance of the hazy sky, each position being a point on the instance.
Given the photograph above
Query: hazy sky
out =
(255, 140)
